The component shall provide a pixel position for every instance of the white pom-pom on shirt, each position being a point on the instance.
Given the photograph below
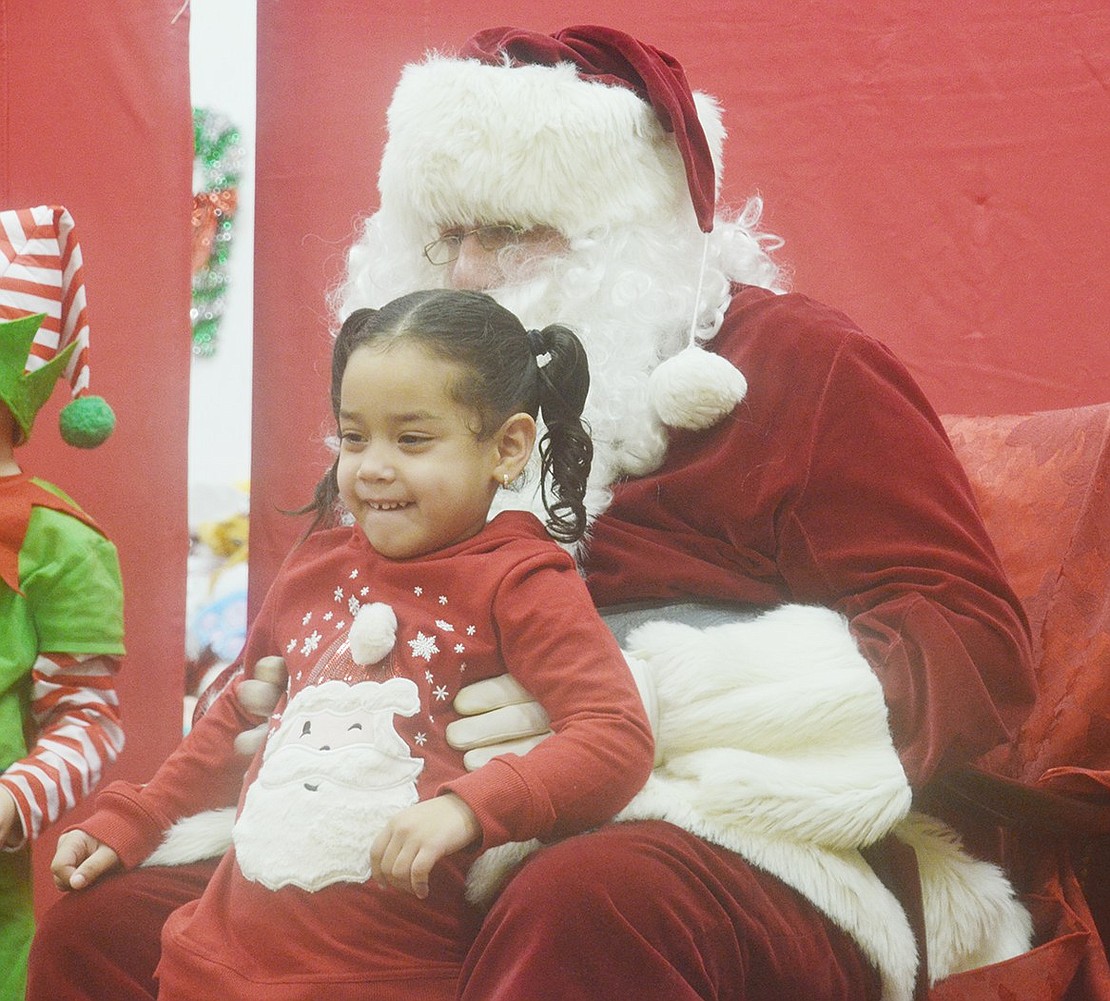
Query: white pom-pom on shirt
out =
(373, 633)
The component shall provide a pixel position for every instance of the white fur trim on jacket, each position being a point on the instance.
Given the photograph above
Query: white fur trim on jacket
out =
(532, 145)
(773, 742)
(201, 836)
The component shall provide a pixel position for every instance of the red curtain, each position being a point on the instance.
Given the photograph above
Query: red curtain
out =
(95, 115)
(939, 171)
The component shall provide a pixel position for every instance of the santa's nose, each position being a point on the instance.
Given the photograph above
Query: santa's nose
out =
(476, 268)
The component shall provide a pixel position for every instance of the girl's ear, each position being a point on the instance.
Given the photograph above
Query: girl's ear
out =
(515, 441)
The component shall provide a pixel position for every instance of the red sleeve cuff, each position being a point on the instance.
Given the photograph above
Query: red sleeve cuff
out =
(124, 825)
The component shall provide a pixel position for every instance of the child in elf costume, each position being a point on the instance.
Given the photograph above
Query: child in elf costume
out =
(61, 601)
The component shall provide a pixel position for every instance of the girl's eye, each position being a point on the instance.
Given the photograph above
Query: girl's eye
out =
(351, 439)
(414, 440)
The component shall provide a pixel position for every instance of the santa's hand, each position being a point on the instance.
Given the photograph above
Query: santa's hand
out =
(259, 695)
(501, 718)
(80, 860)
(414, 840)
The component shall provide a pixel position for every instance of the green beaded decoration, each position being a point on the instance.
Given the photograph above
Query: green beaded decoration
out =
(217, 165)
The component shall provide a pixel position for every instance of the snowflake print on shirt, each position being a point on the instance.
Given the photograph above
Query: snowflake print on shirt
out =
(431, 649)
(424, 646)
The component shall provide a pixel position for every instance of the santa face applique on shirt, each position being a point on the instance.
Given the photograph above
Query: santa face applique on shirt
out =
(336, 766)
(333, 773)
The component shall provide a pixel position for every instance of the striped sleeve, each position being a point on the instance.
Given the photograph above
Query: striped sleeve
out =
(76, 716)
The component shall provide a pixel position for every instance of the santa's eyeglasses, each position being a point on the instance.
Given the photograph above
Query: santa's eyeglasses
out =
(446, 249)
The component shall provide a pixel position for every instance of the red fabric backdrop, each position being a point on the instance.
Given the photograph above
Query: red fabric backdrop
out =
(939, 170)
(95, 115)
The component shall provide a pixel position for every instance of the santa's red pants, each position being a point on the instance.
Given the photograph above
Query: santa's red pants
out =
(647, 912)
(634, 912)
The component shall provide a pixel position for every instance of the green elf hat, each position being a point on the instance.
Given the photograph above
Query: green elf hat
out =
(42, 296)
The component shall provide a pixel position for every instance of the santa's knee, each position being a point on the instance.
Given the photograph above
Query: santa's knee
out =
(608, 882)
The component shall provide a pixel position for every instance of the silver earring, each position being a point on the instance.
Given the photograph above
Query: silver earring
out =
(505, 480)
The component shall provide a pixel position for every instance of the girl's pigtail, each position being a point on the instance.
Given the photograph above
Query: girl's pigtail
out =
(566, 450)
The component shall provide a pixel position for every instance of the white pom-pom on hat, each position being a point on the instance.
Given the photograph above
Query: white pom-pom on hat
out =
(373, 633)
(694, 389)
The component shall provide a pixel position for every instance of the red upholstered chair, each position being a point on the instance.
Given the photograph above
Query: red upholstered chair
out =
(1043, 484)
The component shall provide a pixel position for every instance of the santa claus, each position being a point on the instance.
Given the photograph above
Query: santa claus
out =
(753, 451)
(780, 533)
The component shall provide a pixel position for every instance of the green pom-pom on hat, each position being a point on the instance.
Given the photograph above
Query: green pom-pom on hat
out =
(86, 422)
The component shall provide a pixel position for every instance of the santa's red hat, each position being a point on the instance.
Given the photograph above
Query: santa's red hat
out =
(578, 130)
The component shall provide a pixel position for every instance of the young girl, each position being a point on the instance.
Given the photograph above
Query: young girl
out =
(358, 823)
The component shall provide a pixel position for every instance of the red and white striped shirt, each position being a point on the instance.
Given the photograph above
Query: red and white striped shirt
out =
(77, 733)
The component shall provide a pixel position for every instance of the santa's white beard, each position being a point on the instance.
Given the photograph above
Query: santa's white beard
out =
(310, 816)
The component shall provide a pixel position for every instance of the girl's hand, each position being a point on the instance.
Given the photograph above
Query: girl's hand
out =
(80, 860)
(414, 840)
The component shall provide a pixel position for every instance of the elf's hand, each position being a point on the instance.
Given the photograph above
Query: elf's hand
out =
(259, 695)
(80, 860)
(414, 840)
(11, 827)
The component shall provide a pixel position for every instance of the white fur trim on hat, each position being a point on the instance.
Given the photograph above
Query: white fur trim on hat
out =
(532, 145)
